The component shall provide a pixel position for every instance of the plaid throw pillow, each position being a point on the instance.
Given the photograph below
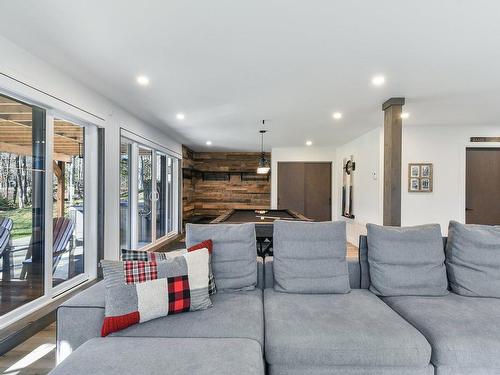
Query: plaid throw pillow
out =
(138, 291)
(149, 256)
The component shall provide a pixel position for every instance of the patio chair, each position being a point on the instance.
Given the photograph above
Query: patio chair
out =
(6, 225)
(63, 228)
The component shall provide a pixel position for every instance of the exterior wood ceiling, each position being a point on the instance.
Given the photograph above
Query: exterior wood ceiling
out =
(16, 134)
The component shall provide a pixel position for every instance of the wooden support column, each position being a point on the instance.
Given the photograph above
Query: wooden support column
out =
(59, 169)
(392, 160)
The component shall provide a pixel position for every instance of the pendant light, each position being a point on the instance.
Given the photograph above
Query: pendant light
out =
(264, 165)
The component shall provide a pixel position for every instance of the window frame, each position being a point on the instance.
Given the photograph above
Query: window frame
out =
(54, 109)
(135, 141)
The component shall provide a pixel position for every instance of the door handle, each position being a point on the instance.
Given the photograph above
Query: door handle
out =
(469, 209)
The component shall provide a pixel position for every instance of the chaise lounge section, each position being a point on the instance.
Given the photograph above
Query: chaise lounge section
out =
(204, 340)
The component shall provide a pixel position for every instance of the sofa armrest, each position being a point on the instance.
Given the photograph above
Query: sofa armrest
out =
(79, 319)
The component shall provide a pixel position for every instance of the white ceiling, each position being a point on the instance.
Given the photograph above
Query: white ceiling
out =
(228, 64)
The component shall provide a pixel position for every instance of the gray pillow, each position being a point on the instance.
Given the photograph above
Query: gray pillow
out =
(310, 257)
(406, 261)
(234, 253)
(473, 259)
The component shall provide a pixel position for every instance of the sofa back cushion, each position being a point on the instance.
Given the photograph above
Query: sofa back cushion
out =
(234, 253)
(473, 259)
(310, 257)
(406, 261)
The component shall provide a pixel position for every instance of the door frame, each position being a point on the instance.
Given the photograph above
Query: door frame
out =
(135, 141)
(332, 171)
(463, 174)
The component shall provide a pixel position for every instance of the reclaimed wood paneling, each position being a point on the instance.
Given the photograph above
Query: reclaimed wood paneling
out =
(212, 198)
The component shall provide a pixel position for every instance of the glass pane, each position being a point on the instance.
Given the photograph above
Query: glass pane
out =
(124, 195)
(22, 203)
(161, 195)
(170, 194)
(68, 196)
(144, 196)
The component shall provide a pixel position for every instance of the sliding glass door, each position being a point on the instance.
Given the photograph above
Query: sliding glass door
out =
(68, 167)
(48, 206)
(22, 203)
(148, 191)
(161, 194)
(144, 196)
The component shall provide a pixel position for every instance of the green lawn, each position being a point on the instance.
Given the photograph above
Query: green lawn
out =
(22, 221)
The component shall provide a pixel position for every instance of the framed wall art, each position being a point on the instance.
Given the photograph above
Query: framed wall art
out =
(420, 177)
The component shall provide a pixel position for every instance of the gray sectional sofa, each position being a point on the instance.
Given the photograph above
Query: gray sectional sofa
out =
(281, 324)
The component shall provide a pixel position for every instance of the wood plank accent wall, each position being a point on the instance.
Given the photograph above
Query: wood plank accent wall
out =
(187, 185)
(212, 198)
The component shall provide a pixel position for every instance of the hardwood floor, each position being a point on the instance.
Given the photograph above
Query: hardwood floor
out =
(35, 356)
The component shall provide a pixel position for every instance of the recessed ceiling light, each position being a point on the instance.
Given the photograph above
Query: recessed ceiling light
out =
(378, 80)
(309, 143)
(180, 116)
(337, 115)
(405, 115)
(208, 143)
(143, 80)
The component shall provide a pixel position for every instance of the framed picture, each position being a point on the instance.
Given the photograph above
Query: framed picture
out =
(414, 171)
(425, 184)
(420, 177)
(414, 184)
(426, 171)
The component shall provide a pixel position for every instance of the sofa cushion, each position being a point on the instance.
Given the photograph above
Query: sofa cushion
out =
(473, 259)
(138, 291)
(159, 356)
(463, 331)
(310, 257)
(237, 314)
(234, 253)
(406, 261)
(354, 329)
(353, 265)
(150, 256)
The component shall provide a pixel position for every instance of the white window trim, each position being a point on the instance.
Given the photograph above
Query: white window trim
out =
(56, 108)
(137, 141)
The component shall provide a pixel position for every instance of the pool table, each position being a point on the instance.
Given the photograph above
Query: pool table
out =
(263, 220)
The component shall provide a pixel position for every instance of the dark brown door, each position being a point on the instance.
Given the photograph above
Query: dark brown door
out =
(291, 187)
(318, 189)
(482, 204)
(306, 188)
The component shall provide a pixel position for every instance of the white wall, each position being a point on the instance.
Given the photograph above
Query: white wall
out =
(318, 154)
(367, 151)
(444, 146)
(19, 70)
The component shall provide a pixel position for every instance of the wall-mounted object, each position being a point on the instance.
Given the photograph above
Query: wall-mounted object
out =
(348, 168)
(485, 139)
(420, 177)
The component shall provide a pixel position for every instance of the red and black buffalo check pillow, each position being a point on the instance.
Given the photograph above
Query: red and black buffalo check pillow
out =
(138, 291)
(152, 257)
